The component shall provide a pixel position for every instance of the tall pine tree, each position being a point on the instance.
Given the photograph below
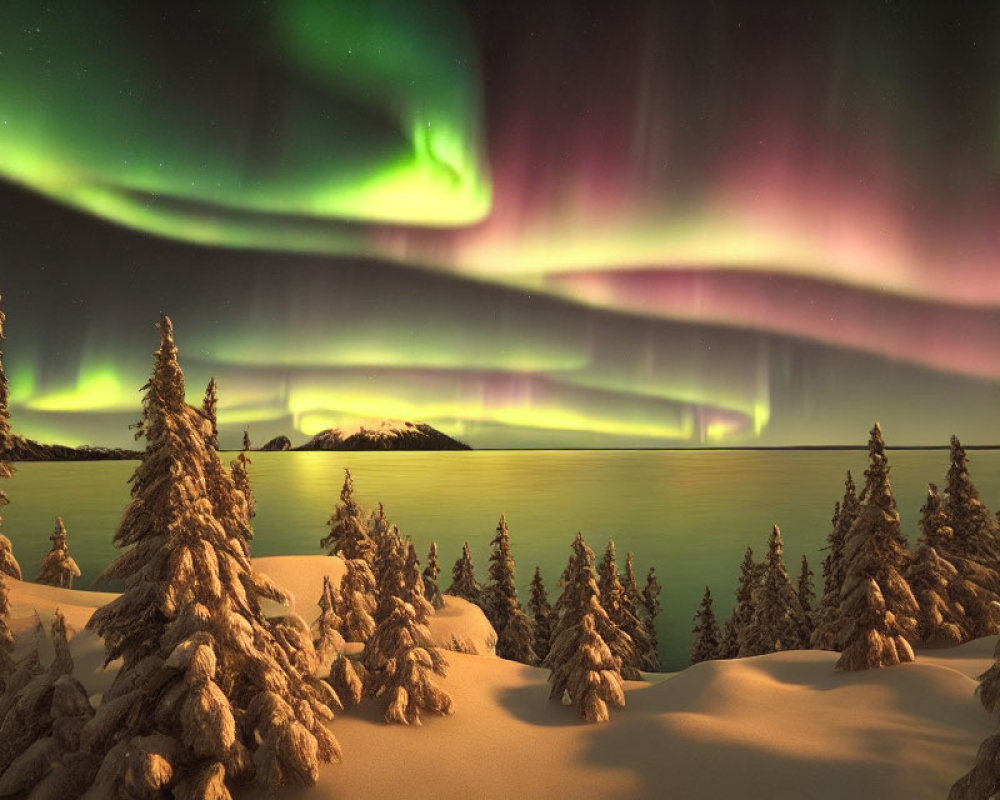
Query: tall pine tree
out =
(430, 575)
(806, 596)
(500, 604)
(463, 578)
(588, 649)
(742, 613)
(707, 639)
(825, 636)
(208, 408)
(878, 612)
(776, 620)
(204, 675)
(974, 527)
(58, 567)
(616, 602)
(541, 613)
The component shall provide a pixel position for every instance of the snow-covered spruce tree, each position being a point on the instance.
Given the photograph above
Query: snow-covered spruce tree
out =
(241, 481)
(327, 638)
(358, 600)
(804, 592)
(957, 595)
(6, 637)
(390, 558)
(208, 408)
(463, 579)
(707, 639)
(515, 634)
(398, 658)
(348, 522)
(973, 526)
(878, 611)
(930, 578)
(207, 696)
(742, 613)
(347, 677)
(541, 613)
(615, 600)
(41, 725)
(413, 585)
(574, 602)
(58, 567)
(587, 648)
(358, 541)
(825, 634)
(630, 584)
(651, 605)
(431, 572)
(776, 621)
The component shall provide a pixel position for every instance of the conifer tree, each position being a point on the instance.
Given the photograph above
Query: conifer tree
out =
(413, 586)
(463, 579)
(58, 567)
(825, 636)
(707, 640)
(41, 722)
(806, 596)
(347, 679)
(430, 575)
(357, 601)
(515, 636)
(742, 613)
(587, 649)
(399, 658)
(930, 577)
(246, 440)
(974, 527)
(775, 624)
(347, 534)
(957, 596)
(358, 542)
(209, 695)
(241, 480)
(878, 612)
(208, 408)
(390, 559)
(541, 613)
(615, 600)
(631, 587)
(651, 604)
(328, 639)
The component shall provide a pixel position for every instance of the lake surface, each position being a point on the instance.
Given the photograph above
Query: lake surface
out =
(690, 514)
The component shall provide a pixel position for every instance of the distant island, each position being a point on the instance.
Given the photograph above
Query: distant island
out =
(384, 436)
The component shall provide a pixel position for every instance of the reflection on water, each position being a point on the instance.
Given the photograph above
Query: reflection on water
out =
(688, 513)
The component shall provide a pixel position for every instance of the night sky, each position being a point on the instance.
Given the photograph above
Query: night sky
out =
(586, 224)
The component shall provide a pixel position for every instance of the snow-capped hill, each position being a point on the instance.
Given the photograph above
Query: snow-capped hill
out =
(386, 435)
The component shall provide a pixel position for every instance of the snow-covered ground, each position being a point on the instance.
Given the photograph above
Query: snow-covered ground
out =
(779, 726)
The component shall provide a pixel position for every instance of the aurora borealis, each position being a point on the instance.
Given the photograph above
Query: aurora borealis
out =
(528, 224)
